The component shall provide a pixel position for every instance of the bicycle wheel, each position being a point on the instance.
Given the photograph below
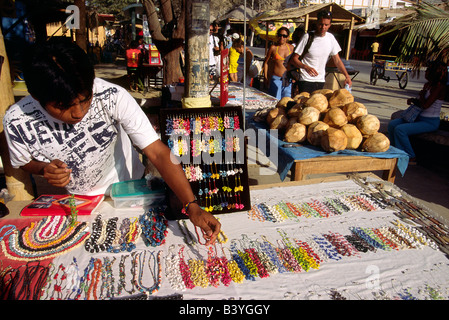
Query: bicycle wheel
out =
(373, 76)
(403, 80)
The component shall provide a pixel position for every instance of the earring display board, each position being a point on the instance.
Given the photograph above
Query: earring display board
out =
(210, 145)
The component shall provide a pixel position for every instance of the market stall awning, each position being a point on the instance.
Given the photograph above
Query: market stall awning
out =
(339, 14)
(238, 14)
(268, 30)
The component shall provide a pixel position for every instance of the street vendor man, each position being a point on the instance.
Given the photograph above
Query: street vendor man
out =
(79, 131)
(311, 56)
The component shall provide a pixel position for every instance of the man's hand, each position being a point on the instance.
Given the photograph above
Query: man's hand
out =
(57, 173)
(311, 71)
(206, 222)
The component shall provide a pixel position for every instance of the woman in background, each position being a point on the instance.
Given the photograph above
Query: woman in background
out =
(276, 57)
(430, 100)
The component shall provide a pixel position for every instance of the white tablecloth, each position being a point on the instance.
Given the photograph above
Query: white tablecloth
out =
(411, 273)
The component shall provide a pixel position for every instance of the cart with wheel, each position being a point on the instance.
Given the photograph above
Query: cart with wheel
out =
(383, 63)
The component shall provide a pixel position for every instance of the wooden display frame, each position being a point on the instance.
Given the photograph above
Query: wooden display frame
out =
(211, 164)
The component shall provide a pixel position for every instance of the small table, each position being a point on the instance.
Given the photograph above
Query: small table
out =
(149, 74)
(338, 164)
(334, 71)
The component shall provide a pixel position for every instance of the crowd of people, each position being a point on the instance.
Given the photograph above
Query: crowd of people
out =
(306, 53)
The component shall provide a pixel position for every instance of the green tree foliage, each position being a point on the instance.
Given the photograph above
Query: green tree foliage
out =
(422, 36)
(114, 7)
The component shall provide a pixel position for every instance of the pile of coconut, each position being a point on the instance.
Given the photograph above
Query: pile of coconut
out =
(330, 119)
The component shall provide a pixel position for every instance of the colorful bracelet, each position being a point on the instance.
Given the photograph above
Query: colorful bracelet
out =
(185, 210)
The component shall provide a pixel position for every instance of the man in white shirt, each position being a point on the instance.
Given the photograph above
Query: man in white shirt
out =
(312, 66)
(78, 131)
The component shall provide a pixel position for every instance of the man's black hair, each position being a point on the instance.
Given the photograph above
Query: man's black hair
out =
(324, 14)
(57, 71)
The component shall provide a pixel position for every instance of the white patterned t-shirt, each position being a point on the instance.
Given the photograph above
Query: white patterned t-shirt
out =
(97, 149)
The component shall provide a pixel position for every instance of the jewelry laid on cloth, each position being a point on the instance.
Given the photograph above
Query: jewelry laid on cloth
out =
(313, 208)
(126, 236)
(25, 282)
(173, 271)
(155, 270)
(154, 227)
(44, 239)
(103, 234)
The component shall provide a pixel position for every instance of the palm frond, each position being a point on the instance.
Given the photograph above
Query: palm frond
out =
(422, 35)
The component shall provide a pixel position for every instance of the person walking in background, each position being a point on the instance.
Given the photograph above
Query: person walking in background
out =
(234, 56)
(274, 68)
(251, 69)
(217, 46)
(296, 38)
(430, 99)
(374, 49)
(133, 60)
(312, 62)
(213, 47)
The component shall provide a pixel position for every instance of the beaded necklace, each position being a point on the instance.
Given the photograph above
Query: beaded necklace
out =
(154, 227)
(214, 268)
(272, 254)
(83, 287)
(25, 282)
(59, 238)
(107, 288)
(122, 276)
(7, 232)
(185, 272)
(58, 288)
(226, 277)
(198, 274)
(241, 259)
(188, 237)
(95, 277)
(103, 234)
(73, 279)
(172, 270)
(156, 271)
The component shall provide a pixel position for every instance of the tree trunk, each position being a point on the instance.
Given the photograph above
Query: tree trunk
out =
(169, 48)
(81, 33)
(18, 181)
(196, 91)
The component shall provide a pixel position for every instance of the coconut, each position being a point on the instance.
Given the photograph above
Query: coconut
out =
(354, 110)
(291, 121)
(354, 136)
(273, 113)
(339, 98)
(378, 142)
(280, 122)
(296, 133)
(335, 117)
(308, 115)
(368, 124)
(315, 131)
(334, 139)
(283, 102)
(300, 96)
(326, 92)
(318, 101)
(295, 111)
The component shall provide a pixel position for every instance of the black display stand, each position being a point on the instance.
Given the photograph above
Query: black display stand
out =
(210, 145)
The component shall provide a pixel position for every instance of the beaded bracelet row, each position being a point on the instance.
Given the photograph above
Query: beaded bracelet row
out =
(197, 124)
(326, 208)
(251, 260)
